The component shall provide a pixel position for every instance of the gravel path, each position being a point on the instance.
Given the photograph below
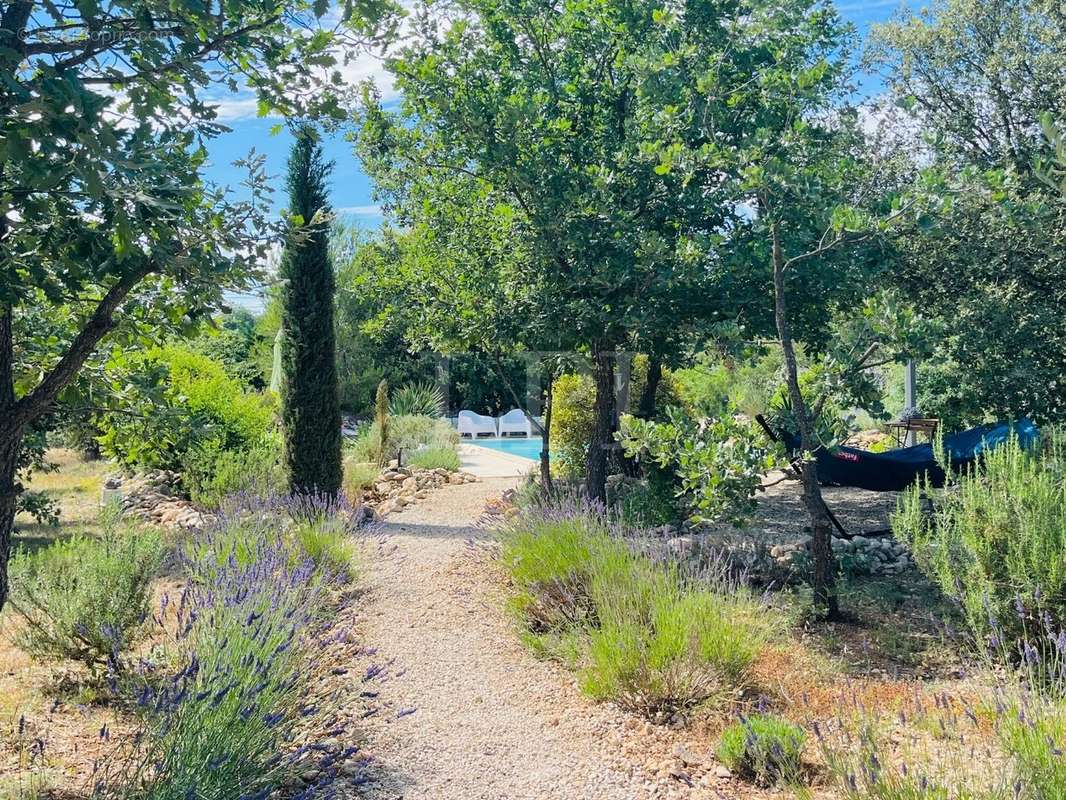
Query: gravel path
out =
(462, 710)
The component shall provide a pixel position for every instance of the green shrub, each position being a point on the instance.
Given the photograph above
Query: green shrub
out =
(640, 632)
(210, 474)
(406, 435)
(183, 400)
(667, 393)
(716, 384)
(647, 504)
(763, 748)
(436, 458)
(422, 399)
(251, 641)
(664, 643)
(85, 599)
(933, 758)
(358, 477)
(326, 539)
(1033, 734)
(551, 563)
(718, 464)
(572, 423)
(996, 539)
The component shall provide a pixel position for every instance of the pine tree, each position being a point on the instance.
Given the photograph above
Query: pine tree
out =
(310, 410)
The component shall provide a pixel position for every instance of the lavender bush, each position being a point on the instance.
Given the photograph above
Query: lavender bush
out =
(764, 748)
(1007, 740)
(248, 634)
(639, 630)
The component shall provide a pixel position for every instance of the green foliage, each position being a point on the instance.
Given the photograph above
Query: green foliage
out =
(667, 393)
(647, 504)
(236, 344)
(718, 464)
(386, 321)
(107, 222)
(997, 536)
(310, 410)
(407, 436)
(554, 205)
(178, 401)
(1032, 733)
(248, 641)
(663, 643)
(763, 748)
(435, 458)
(210, 474)
(715, 384)
(640, 632)
(988, 265)
(32, 458)
(832, 425)
(870, 758)
(573, 419)
(326, 538)
(417, 399)
(86, 599)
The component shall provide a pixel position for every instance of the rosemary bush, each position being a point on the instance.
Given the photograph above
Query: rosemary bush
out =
(997, 535)
(86, 598)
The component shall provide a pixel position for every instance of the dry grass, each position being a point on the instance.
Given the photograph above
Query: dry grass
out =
(76, 486)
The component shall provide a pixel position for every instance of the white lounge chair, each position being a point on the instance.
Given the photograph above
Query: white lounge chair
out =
(515, 421)
(475, 424)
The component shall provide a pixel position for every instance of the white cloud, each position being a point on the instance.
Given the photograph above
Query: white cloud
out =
(361, 211)
(871, 5)
(235, 107)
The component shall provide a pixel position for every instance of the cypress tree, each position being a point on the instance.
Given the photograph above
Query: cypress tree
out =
(310, 411)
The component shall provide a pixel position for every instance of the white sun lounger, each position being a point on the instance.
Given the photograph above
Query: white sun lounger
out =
(474, 424)
(515, 421)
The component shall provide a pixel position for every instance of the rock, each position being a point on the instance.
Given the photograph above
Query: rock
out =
(679, 774)
(455, 478)
(722, 771)
(685, 756)
(410, 484)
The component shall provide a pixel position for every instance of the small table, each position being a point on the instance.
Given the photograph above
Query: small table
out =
(902, 429)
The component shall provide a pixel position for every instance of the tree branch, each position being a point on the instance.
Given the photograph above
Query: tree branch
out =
(98, 325)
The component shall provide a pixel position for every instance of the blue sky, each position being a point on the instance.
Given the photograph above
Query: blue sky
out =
(351, 189)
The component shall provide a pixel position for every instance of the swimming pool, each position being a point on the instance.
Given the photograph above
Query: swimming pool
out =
(524, 448)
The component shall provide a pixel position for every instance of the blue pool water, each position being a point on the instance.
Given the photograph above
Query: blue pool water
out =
(525, 448)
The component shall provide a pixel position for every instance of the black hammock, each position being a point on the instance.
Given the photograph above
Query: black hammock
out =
(895, 470)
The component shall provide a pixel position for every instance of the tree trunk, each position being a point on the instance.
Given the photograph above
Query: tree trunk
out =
(603, 433)
(10, 443)
(646, 406)
(545, 438)
(824, 566)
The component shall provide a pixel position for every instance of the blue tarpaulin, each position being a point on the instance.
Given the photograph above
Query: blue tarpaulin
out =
(895, 470)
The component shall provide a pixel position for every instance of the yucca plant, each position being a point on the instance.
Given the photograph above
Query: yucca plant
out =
(423, 399)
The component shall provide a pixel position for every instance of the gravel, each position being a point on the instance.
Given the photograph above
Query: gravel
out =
(464, 711)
